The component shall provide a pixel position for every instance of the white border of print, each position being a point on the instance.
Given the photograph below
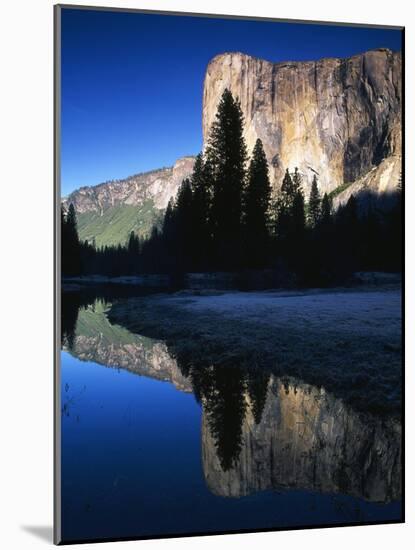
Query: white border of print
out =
(26, 225)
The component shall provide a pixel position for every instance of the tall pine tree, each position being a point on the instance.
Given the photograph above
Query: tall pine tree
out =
(71, 250)
(348, 235)
(290, 219)
(183, 223)
(256, 209)
(226, 156)
(201, 182)
(133, 253)
(169, 235)
(314, 204)
(283, 207)
(325, 217)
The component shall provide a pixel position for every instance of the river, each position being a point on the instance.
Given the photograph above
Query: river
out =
(152, 446)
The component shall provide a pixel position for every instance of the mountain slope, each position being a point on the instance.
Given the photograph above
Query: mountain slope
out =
(108, 212)
(115, 223)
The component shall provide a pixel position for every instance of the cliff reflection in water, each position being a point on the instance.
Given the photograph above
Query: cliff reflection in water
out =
(259, 431)
(307, 439)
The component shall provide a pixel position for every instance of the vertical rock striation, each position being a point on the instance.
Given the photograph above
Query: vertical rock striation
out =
(337, 118)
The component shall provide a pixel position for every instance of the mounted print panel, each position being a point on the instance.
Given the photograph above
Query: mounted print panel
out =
(229, 197)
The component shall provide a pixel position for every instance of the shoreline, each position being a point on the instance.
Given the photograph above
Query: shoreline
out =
(252, 281)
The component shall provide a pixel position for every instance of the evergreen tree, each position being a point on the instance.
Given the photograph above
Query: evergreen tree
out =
(318, 254)
(133, 245)
(256, 209)
(168, 219)
(287, 191)
(72, 224)
(201, 182)
(226, 157)
(225, 408)
(314, 204)
(64, 238)
(70, 305)
(326, 246)
(133, 253)
(298, 218)
(283, 207)
(257, 383)
(70, 245)
(290, 188)
(153, 252)
(325, 218)
(290, 219)
(183, 225)
(169, 232)
(394, 235)
(175, 242)
(297, 241)
(347, 235)
(297, 181)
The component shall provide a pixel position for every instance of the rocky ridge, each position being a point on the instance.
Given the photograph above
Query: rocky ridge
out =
(158, 185)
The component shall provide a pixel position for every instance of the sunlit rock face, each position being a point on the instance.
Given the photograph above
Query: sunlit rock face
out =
(309, 440)
(158, 186)
(336, 118)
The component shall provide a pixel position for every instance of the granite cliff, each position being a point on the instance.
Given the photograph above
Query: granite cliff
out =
(339, 119)
(336, 118)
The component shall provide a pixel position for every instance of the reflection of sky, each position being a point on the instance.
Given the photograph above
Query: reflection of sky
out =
(131, 465)
(132, 83)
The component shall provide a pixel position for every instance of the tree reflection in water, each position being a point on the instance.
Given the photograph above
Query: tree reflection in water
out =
(259, 430)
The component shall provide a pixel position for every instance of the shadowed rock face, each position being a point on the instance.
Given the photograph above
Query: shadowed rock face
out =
(307, 439)
(336, 118)
(379, 184)
(157, 185)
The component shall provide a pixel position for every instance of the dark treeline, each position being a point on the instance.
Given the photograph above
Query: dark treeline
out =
(224, 219)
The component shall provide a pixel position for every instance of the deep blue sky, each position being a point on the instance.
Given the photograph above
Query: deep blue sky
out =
(132, 83)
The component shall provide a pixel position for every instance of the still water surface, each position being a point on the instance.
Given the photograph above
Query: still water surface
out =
(151, 447)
